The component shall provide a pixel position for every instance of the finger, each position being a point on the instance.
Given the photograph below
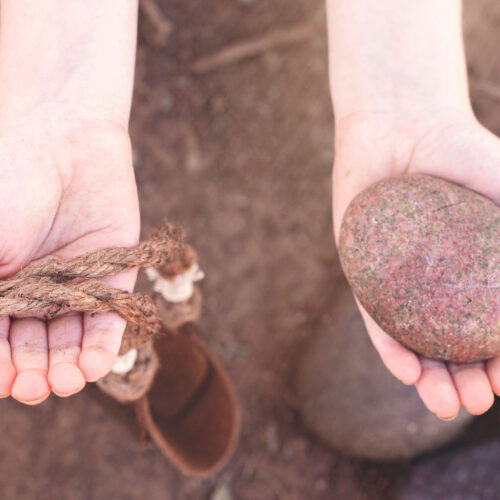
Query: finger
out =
(28, 340)
(473, 387)
(437, 390)
(493, 372)
(7, 370)
(65, 338)
(102, 334)
(400, 361)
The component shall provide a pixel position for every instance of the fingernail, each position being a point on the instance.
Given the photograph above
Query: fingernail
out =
(36, 401)
(447, 419)
(68, 394)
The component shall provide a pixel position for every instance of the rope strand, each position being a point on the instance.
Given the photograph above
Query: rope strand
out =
(53, 286)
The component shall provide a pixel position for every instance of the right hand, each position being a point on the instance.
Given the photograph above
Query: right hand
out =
(457, 149)
(71, 193)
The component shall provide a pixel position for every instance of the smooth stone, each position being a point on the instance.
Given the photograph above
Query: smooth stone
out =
(466, 474)
(423, 257)
(351, 402)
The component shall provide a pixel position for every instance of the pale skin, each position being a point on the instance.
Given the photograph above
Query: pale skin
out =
(67, 183)
(400, 95)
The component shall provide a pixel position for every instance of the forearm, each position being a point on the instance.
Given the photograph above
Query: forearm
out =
(397, 57)
(78, 55)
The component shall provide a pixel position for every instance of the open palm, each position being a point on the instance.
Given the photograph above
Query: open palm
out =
(458, 150)
(61, 195)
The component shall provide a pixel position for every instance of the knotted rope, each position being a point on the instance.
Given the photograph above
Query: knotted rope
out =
(55, 286)
(134, 384)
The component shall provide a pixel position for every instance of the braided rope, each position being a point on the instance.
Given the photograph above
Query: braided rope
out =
(55, 286)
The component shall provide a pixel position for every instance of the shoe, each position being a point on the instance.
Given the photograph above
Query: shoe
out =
(184, 400)
(190, 412)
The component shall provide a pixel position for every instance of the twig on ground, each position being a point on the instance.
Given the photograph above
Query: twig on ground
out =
(252, 47)
(193, 158)
(491, 89)
(159, 27)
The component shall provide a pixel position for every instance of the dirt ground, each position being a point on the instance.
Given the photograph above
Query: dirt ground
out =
(240, 156)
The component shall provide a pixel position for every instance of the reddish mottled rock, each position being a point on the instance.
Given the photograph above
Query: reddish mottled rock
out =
(351, 402)
(423, 257)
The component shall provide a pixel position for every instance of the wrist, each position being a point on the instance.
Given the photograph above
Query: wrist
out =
(77, 59)
(66, 148)
(403, 105)
(398, 59)
(401, 123)
(384, 144)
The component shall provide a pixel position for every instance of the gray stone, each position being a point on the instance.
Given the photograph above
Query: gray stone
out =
(459, 475)
(351, 402)
(222, 492)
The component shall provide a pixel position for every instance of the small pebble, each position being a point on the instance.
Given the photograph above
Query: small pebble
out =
(222, 492)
